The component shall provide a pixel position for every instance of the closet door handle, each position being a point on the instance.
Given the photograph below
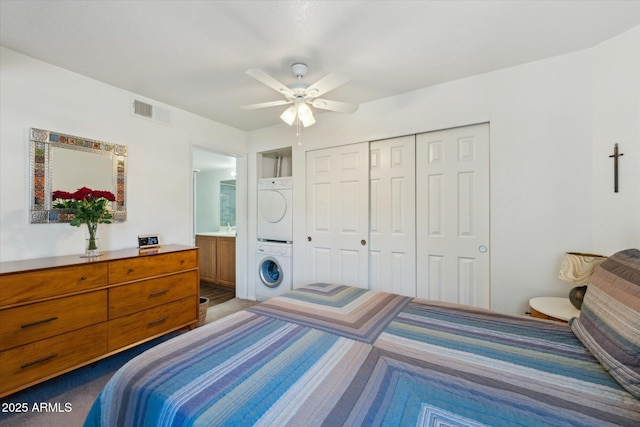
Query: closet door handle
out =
(363, 242)
(309, 238)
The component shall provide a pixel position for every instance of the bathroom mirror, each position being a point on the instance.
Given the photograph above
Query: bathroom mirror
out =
(228, 203)
(66, 162)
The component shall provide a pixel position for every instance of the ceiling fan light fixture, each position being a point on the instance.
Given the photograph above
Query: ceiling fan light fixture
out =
(306, 115)
(307, 121)
(289, 115)
(304, 110)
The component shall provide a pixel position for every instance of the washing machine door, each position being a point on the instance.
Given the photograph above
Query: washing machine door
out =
(270, 272)
(272, 205)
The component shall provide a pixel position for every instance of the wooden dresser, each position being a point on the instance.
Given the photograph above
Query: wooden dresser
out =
(58, 314)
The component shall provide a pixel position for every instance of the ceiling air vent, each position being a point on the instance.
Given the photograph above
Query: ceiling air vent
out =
(142, 109)
(150, 111)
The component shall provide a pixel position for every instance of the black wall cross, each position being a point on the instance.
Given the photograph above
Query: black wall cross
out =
(615, 156)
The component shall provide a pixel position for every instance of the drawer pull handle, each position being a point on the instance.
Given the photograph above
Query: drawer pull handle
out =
(42, 359)
(182, 261)
(83, 278)
(39, 322)
(155, 322)
(130, 270)
(158, 293)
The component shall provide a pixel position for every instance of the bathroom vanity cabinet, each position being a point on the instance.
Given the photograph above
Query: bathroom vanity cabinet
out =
(217, 259)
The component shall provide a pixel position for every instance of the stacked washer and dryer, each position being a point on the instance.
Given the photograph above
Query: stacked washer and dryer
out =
(275, 236)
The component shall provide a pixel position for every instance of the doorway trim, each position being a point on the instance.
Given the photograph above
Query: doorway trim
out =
(241, 212)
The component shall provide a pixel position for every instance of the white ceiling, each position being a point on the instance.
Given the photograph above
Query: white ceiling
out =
(193, 54)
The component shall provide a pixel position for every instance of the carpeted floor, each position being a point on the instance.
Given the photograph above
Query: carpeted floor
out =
(65, 401)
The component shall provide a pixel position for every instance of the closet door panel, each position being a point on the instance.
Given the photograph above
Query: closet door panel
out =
(452, 199)
(392, 254)
(337, 222)
(321, 268)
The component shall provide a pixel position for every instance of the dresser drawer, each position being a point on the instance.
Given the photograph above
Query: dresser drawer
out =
(129, 269)
(142, 295)
(31, 362)
(25, 324)
(135, 327)
(22, 287)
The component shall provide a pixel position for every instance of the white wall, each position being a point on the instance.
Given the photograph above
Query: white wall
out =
(159, 200)
(616, 119)
(550, 175)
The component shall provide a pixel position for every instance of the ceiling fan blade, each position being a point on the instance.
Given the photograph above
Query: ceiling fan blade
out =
(327, 83)
(340, 107)
(265, 78)
(265, 105)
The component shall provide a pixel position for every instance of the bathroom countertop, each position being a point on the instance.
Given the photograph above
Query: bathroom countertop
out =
(218, 233)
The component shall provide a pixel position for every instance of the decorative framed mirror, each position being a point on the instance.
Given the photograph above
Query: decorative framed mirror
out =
(66, 162)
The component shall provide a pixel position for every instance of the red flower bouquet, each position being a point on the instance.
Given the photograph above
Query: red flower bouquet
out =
(88, 207)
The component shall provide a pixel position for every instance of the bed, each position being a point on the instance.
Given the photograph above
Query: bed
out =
(333, 355)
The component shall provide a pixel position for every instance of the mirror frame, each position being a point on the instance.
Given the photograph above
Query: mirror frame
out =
(40, 144)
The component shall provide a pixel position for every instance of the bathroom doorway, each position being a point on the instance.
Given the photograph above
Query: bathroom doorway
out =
(214, 222)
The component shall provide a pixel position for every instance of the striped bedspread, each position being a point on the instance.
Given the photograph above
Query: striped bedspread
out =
(336, 355)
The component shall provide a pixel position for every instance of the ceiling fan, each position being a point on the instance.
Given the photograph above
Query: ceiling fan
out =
(301, 95)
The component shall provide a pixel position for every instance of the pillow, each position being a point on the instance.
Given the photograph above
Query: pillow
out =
(609, 323)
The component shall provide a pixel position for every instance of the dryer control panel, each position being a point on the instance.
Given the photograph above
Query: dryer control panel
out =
(275, 183)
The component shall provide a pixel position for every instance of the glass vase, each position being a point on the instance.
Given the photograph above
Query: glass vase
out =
(91, 247)
(92, 241)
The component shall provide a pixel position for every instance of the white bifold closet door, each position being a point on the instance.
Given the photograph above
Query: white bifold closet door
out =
(408, 215)
(392, 216)
(337, 215)
(452, 211)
